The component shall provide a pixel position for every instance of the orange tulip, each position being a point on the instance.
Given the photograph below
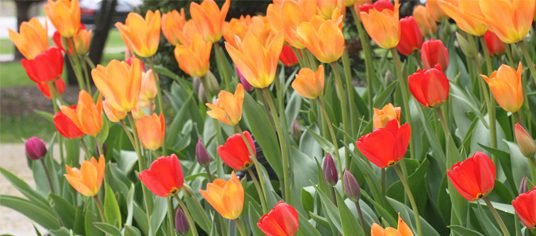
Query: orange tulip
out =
(112, 114)
(119, 83)
(209, 19)
(172, 25)
(151, 130)
(148, 89)
(402, 230)
(384, 115)
(285, 17)
(309, 83)
(509, 20)
(228, 107)
(382, 26)
(87, 115)
(141, 35)
(32, 38)
(467, 15)
(323, 38)
(226, 197)
(194, 57)
(88, 179)
(506, 86)
(257, 58)
(434, 10)
(424, 20)
(239, 27)
(64, 15)
(328, 8)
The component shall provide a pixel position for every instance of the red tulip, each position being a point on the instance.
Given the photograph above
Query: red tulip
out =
(287, 56)
(47, 66)
(282, 220)
(430, 86)
(434, 52)
(45, 89)
(235, 152)
(525, 208)
(494, 44)
(385, 146)
(66, 127)
(410, 36)
(474, 177)
(164, 177)
(378, 5)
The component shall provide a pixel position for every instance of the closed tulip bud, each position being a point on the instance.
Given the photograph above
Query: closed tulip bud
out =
(243, 80)
(329, 170)
(309, 83)
(323, 38)
(410, 36)
(381, 23)
(434, 52)
(383, 116)
(526, 144)
(203, 158)
(194, 57)
(430, 87)
(282, 220)
(148, 89)
(287, 56)
(494, 45)
(296, 129)
(35, 148)
(467, 49)
(506, 86)
(351, 186)
(523, 185)
(209, 18)
(151, 130)
(141, 35)
(181, 222)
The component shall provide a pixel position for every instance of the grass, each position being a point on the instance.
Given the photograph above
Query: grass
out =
(15, 129)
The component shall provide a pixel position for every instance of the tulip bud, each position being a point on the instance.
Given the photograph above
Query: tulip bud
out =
(243, 80)
(329, 170)
(526, 144)
(494, 45)
(181, 223)
(466, 48)
(296, 129)
(203, 158)
(523, 186)
(35, 148)
(351, 186)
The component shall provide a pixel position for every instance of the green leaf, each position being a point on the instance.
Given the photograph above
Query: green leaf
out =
(254, 216)
(159, 213)
(108, 229)
(131, 231)
(326, 145)
(464, 231)
(141, 219)
(64, 209)
(103, 134)
(520, 165)
(349, 221)
(37, 214)
(407, 214)
(90, 217)
(198, 214)
(25, 189)
(292, 108)
(112, 212)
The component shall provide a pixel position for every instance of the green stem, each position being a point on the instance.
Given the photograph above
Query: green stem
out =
(528, 60)
(222, 67)
(240, 227)
(258, 187)
(490, 101)
(532, 161)
(100, 208)
(349, 88)
(49, 179)
(342, 97)
(170, 216)
(383, 180)
(360, 214)
(497, 217)
(89, 62)
(407, 189)
(75, 65)
(159, 92)
(332, 134)
(188, 216)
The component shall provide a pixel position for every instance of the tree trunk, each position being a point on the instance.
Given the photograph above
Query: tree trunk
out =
(23, 14)
(102, 28)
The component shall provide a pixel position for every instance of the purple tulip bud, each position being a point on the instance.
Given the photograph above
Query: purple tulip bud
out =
(104, 149)
(181, 223)
(523, 186)
(35, 148)
(203, 158)
(351, 186)
(243, 80)
(329, 170)
(296, 129)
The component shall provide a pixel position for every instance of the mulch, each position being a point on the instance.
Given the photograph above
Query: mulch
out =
(23, 101)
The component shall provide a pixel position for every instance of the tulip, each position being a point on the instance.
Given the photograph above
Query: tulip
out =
(243, 80)
(59, 88)
(35, 148)
(141, 35)
(328, 8)
(148, 90)
(526, 144)
(386, 146)
(164, 178)
(81, 41)
(257, 58)
(506, 86)
(402, 230)
(383, 116)
(282, 220)
(474, 177)
(203, 158)
(64, 15)
(119, 83)
(194, 57)
(523, 186)
(525, 209)
(509, 20)
(113, 114)
(351, 186)
(434, 52)
(309, 83)
(288, 57)
(172, 25)
(226, 197)
(46, 67)
(382, 24)
(88, 179)
(323, 38)
(32, 38)
(65, 126)
(235, 153)
(286, 16)
(357, 3)
(378, 5)
(87, 115)
(430, 86)
(181, 222)
(434, 10)
(151, 130)
(494, 45)
(329, 170)
(467, 14)
(426, 22)
(410, 36)
(209, 19)
(236, 27)
(228, 107)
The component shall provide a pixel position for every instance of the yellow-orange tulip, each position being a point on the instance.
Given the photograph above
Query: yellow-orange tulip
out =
(119, 83)
(172, 25)
(323, 38)
(402, 230)
(228, 107)
(194, 57)
(383, 116)
(32, 38)
(357, 3)
(434, 10)
(506, 86)
(209, 19)
(328, 8)
(382, 26)
(148, 89)
(87, 115)
(309, 83)
(285, 17)
(112, 114)
(424, 20)
(239, 27)
(257, 58)
(141, 35)
(88, 179)
(226, 197)
(82, 39)
(509, 20)
(151, 130)
(143, 108)
(467, 15)
(64, 15)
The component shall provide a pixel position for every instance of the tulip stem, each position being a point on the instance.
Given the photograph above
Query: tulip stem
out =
(404, 181)
(383, 178)
(170, 215)
(532, 167)
(73, 58)
(332, 134)
(349, 90)
(360, 214)
(240, 227)
(188, 216)
(99, 207)
(528, 60)
(49, 179)
(222, 68)
(497, 217)
(259, 189)
(490, 101)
